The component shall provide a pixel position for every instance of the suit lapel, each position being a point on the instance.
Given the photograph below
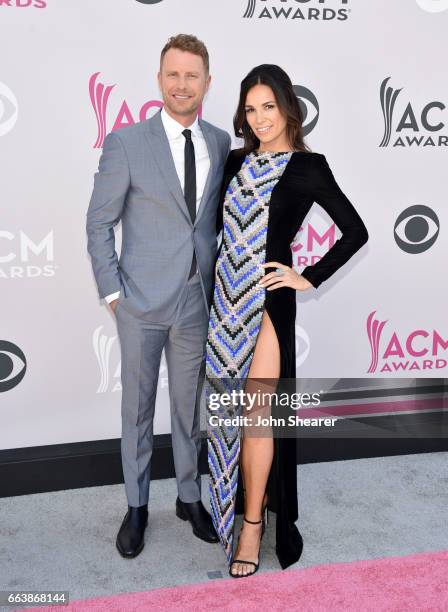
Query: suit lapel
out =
(210, 140)
(162, 155)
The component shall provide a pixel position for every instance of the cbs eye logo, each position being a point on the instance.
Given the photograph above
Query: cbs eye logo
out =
(8, 109)
(308, 105)
(12, 365)
(416, 229)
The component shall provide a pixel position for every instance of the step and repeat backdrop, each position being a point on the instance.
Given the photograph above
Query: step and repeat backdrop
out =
(371, 80)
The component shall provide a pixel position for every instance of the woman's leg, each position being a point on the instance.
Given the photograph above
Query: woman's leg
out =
(257, 446)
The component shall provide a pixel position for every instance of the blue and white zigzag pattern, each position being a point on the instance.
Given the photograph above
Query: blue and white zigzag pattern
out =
(235, 319)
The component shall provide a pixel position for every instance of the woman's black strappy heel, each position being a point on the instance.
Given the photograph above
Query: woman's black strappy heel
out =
(264, 520)
(256, 565)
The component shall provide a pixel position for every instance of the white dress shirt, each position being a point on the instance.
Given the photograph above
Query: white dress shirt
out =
(176, 139)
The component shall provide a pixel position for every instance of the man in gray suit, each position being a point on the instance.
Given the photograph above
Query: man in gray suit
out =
(162, 179)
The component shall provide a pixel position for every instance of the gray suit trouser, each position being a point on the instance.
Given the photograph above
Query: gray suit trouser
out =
(142, 343)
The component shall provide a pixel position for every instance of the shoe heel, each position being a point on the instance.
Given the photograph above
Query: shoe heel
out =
(263, 523)
(181, 514)
(265, 514)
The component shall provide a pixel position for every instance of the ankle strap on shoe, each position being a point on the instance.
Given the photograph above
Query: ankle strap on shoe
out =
(252, 522)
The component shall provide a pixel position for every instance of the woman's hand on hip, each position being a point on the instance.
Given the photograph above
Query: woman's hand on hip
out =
(284, 276)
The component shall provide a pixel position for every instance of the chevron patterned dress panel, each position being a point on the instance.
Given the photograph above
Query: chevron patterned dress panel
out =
(235, 320)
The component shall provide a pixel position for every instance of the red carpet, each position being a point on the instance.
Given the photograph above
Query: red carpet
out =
(414, 583)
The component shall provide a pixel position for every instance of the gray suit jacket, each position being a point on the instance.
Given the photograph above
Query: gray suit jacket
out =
(137, 182)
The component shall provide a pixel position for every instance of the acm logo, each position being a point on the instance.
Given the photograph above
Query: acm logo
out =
(25, 257)
(413, 127)
(99, 96)
(398, 350)
(108, 357)
(276, 9)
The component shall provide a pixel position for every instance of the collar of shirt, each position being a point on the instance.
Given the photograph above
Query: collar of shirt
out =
(174, 129)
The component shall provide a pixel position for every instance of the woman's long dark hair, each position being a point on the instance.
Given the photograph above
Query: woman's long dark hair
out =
(276, 78)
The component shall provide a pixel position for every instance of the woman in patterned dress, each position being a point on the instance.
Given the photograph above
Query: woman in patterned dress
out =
(269, 187)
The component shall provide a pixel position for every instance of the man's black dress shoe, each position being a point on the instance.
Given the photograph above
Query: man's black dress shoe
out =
(130, 540)
(199, 518)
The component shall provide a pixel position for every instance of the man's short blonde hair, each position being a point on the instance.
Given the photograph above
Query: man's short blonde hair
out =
(187, 42)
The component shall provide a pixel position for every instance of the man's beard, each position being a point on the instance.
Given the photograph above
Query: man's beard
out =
(181, 109)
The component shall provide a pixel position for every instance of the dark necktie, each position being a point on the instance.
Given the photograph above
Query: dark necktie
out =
(190, 186)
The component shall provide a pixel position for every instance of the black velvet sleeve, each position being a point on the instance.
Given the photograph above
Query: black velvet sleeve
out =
(326, 192)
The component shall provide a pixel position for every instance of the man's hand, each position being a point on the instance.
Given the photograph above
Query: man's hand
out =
(113, 305)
